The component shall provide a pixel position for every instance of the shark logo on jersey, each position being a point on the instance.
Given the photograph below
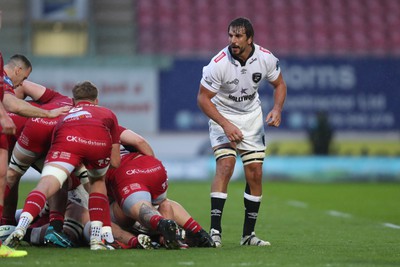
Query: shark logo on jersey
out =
(206, 79)
(235, 82)
(256, 77)
(252, 60)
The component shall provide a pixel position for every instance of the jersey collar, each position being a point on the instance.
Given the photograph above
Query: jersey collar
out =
(242, 63)
(8, 80)
(84, 103)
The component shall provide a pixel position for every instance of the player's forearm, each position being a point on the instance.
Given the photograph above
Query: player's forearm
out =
(23, 108)
(145, 148)
(115, 160)
(279, 96)
(211, 111)
(131, 138)
(3, 112)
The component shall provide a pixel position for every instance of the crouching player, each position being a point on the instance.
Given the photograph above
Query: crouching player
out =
(139, 184)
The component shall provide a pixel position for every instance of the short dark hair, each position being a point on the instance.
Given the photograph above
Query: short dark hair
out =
(21, 59)
(245, 23)
(85, 91)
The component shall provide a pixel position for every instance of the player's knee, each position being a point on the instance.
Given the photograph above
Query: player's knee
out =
(18, 166)
(59, 174)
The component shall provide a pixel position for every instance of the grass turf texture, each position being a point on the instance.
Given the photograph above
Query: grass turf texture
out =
(307, 224)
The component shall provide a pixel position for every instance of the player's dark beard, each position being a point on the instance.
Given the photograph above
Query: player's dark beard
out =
(241, 50)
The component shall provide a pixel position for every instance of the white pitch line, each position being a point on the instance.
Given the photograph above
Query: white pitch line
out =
(391, 225)
(297, 204)
(336, 213)
(186, 263)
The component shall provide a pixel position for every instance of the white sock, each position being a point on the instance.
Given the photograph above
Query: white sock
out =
(95, 230)
(106, 234)
(24, 221)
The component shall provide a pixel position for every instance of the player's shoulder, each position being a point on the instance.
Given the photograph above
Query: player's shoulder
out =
(260, 51)
(221, 58)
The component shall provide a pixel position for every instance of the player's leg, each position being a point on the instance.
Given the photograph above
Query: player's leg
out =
(20, 161)
(6, 251)
(225, 163)
(53, 176)
(127, 240)
(252, 153)
(3, 168)
(99, 211)
(252, 200)
(76, 214)
(195, 235)
(138, 205)
(55, 235)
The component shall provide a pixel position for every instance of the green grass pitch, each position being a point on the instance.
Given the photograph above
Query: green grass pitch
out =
(318, 224)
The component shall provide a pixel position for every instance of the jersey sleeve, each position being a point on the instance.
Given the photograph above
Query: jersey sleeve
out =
(212, 78)
(48, 96)
(121, 129)
(115, 129)
(273, 67)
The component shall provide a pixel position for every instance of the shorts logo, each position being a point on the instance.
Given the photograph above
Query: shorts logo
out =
(55, 154)
(256, 77)
(125, 190)
(134, 186)
(220, 138)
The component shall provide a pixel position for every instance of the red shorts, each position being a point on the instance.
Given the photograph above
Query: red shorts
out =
(36, 135)
(143, 173)
(8, 141)
(92, 147)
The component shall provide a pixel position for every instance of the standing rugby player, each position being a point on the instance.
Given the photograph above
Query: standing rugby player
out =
(228, 95)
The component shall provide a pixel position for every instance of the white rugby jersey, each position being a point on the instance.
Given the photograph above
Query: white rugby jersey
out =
(236, 86)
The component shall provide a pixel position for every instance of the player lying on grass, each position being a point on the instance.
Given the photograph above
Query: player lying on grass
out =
(190, 233)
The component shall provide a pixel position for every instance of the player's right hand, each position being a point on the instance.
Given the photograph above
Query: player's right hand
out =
(233, 133)
(7, 125)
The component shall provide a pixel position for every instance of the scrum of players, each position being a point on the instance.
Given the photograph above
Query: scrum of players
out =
(101, 185)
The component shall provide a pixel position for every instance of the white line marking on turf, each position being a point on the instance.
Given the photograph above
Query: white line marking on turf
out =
(336, 213)
(297, 204)
(391, 225)
(188, 263)
(248, 264)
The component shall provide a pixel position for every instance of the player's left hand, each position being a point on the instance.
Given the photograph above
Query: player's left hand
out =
(274, 118)
(59, 111)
